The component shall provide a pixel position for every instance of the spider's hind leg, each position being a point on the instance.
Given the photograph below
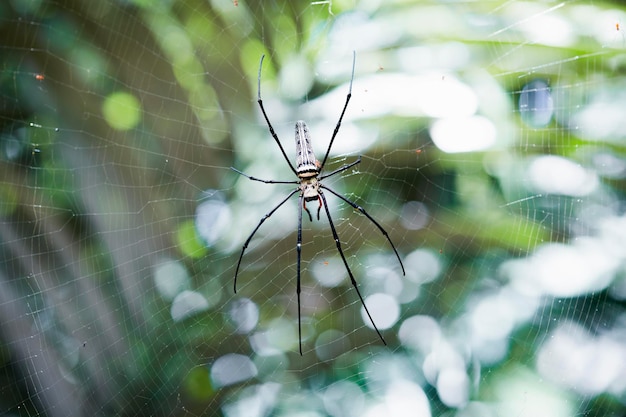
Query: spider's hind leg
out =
(345, 263)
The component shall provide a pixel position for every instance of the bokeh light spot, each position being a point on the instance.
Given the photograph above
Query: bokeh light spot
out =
(244, 314)
(122, 111)
(171, 278)
(535, 104)
(188, 240)
(384, 310)
(187, 304)
(231, 369)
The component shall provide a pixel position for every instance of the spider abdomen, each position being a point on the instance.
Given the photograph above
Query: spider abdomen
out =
(306, 163)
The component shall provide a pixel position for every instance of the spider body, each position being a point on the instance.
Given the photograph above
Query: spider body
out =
(309, 170)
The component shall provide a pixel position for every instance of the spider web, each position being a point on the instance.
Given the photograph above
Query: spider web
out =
(492, 144)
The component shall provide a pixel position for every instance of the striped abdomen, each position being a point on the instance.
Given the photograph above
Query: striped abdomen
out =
(306, 164)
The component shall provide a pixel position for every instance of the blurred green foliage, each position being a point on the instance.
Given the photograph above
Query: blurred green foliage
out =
(96, 196)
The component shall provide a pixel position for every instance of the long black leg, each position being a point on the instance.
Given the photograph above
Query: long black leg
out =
(343, 258)
(345, 106)
(299, 251)
(263, 181)
(340, 169)
(362, 210)
(245, 245)
(268, 120)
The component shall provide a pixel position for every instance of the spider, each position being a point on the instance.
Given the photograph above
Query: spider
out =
(308, 170)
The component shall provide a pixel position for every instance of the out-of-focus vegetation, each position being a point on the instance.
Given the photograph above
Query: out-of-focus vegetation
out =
(493, 149)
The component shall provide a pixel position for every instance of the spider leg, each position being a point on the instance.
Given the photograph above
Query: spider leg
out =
(245, 245)
(341, 169)
(299, 251)
(362, 210)
(345, 106)
(261, 180)
(343, 258)
(269, 125)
